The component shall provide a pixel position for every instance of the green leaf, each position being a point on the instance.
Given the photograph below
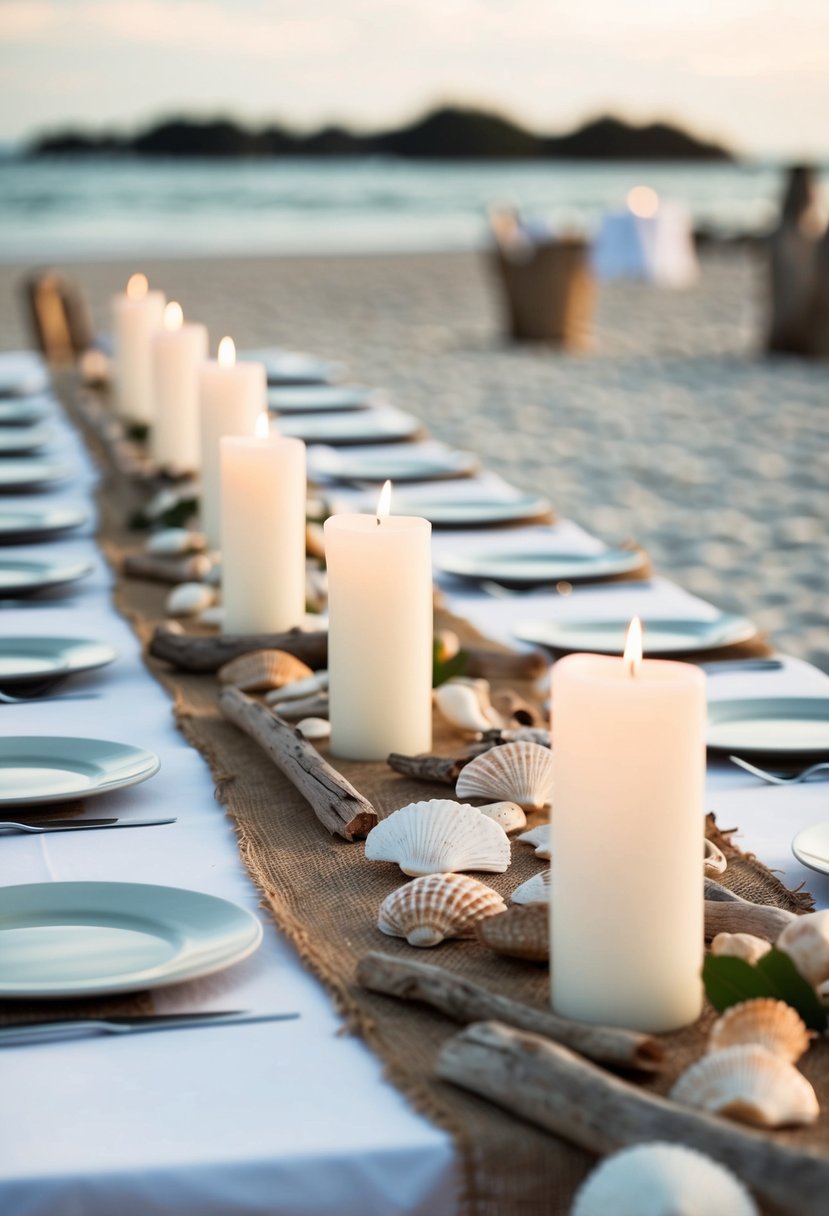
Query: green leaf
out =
(790, 986)
(447, 669)
(139, 432)
(731, 980)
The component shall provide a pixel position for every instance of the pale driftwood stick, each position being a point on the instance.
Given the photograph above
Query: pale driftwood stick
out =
(189, 652)
(190, 569)
(444, 769)
(550, 1086)
(530, 734)
(738, 916)
(716, 891)
(335, 802)
(464, 1001)
(504, 664)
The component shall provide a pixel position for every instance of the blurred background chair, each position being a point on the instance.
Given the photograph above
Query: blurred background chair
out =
(799, 271)
(58, 318)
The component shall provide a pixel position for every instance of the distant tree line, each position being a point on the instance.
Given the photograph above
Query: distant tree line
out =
(450, 133)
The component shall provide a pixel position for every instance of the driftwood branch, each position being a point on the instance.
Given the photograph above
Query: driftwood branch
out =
(335, 802)
(189, 652)
(738, 916)
(550, 1086)
(504, 664)
(444, 769)
(190, 569)
(464, 1001)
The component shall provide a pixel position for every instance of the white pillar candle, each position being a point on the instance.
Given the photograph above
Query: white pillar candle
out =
(136, 315)
(178, 351)
(263, 532)
(626, 943)
(231, 397)
(379, 633)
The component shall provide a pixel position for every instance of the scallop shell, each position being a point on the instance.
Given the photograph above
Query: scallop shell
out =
(262, 669)
(317, 682)
(740, 945)
(771, 1024)
(439, 837)
(535, 890)
(188, 599)
(662, 1180)
(749, 1084)
(465, 704)
(508, 814)
(806, 941)
(437, 906)
(520, 932)
(174, 542)
(539, 839)
(517, 772)
(714, 860)
(314, 728)
(295, 710)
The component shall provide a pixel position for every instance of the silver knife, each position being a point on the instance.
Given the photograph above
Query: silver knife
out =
(717, 665)
(77, 825)
(19, 1033)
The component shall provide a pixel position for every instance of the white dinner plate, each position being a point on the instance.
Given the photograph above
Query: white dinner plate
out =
(356, 427)
(23, 411)
(22, 376)
(811, 847)
(763, 726)
(24, 525)
(292, 367)
(401, 465)
(534, 568)
(72, 939)
(23, 440)
(26, 577)
(677, 636)
(42, 660)
(20, 474)
(473, 512)
(53, 768)
(322, 398)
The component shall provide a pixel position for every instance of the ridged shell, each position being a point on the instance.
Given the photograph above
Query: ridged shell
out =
(466, 706)
(314, 728)
(714, 860)
(520, 932)
(187, 599)
(662, 1180)
(539, 839)
(173, 542)
(430, 909)
(439, 837)
(749, 1084)
(298, 708)
(508, 814)
(769, 1023)
(740, 945)
(514, 772)
(317, 682)
(806, 941)
(535, 890)
(262, 669)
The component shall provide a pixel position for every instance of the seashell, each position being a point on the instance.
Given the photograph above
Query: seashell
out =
(806, 941)
(314, 728)
(187, 599)
(513, 708)
(261, 669)
(447, 645)
(540, 839)
(315, 540)
(508, 814)
(316, 682)
(214, 615)
(749, 1084)
(520, 932)
(518, 772)
(740, 945)
(535, 890)
(437, 906)
(465, 704)
(714, 859)
(659, 1179)
(770, 1023)
(175, 542)
(214, 575)
(315, 706)
(439, 837)
(313, 622)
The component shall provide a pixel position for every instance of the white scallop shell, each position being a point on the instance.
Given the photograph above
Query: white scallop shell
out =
(539, 839)
(714, 860)
(770, 1023)
(740, 945)
(318, 682)
(314, 728)
(187, 599)
(437, 906)
(508, 814)
(806, 941)
(439, 837)
(535, 890)
(662, 1180)
(465, 704)
(516, 772)
(173, 542)
(749, 1084)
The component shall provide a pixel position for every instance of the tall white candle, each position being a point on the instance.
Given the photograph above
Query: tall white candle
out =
(263, 532)
(231, 397)
(379, 633)
(136, 315)
(178, 351)
(627, 833)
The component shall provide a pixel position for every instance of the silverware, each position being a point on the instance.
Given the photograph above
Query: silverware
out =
(7, 699)
(716, 666)
(77, 825)
(19, 1033)
(780, 778)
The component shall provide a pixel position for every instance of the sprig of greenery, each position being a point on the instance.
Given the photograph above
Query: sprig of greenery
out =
(731, 980)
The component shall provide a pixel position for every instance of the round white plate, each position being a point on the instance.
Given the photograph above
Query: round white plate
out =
(811, 847)
(292, 367)
(71, 939)
(473, 512)
(52, 768)
(23, 440)
(354, 427)
(23, 525)
(319, 398)
(25, 411)
(659, 637)
(21, 474)
(22, 376)
(398, 466)
(42, 660)
(530, 568)
(25, 577)
(763, 726)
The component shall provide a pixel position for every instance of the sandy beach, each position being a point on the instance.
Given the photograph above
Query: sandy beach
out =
(671, 430)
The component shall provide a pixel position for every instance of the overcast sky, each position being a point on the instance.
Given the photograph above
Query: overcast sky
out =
(754, 73)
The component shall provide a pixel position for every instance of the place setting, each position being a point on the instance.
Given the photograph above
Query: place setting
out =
(323, 398)
(294, 369)
(22, 525)
(352, 428)
(20, 475)
(30, 576)
(23, 440)
(401, 464)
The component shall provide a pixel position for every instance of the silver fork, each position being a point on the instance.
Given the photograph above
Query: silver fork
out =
(780, 778)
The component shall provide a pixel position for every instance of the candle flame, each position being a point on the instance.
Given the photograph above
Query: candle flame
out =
(137, 287)
(263, 426)
(173, 316)
(633, 647)
(227, 352)
(643, 201)
(384, 502)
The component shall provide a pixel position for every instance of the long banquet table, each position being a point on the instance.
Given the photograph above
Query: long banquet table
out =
(290, 1117)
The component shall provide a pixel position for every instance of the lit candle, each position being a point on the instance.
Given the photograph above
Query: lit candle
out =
(263, 531)
(178, 351)
(379, 633)
(231, 397)
(136, 315)
(627, 835)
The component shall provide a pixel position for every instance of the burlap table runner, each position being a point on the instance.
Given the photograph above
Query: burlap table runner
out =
(324, 896)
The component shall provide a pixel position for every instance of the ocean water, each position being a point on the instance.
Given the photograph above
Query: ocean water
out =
(72, 209)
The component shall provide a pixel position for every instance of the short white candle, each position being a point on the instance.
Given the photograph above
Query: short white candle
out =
(379, 633)
(263, 532)
(178, 351)
(231, 397)
(136, 315)
(627, 833)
